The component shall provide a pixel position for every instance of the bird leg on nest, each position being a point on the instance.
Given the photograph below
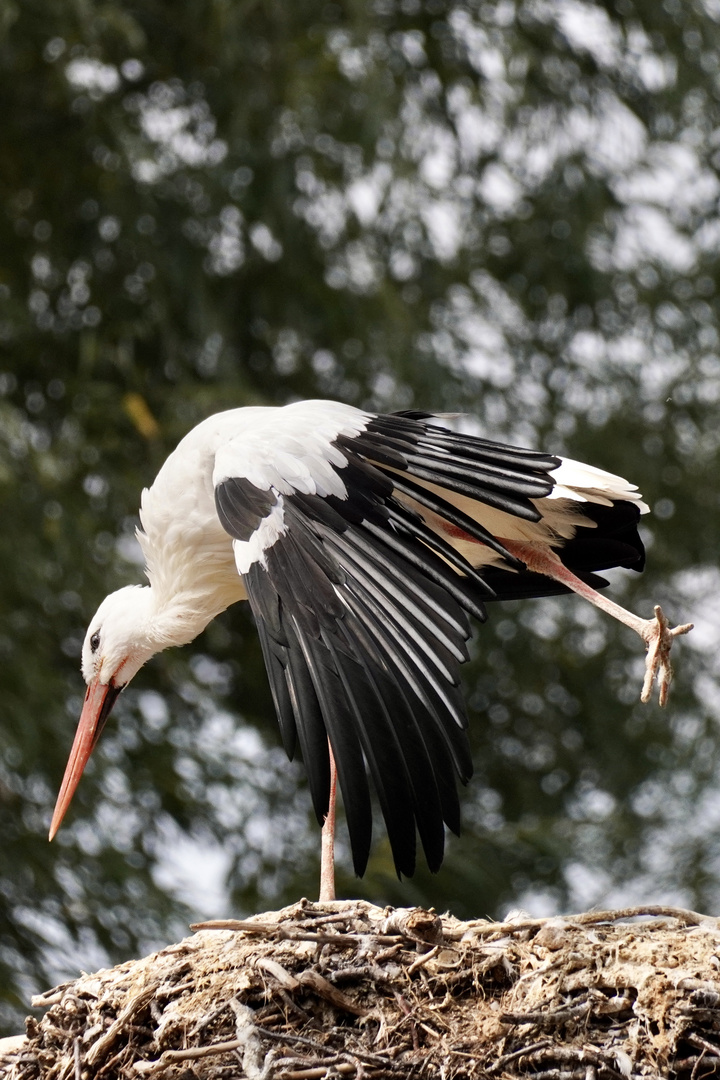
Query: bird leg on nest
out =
(327, 855)
(656, 633)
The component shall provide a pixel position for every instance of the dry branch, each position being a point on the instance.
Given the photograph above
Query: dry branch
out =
(346, 989)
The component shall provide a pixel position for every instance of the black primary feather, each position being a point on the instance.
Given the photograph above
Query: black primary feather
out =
(241, 506)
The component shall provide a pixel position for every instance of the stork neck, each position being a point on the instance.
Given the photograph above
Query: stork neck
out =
(178, 618)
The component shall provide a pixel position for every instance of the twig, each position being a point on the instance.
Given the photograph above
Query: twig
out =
(316, 1072)
(379, 1060)
(345, 914)
(373, 972)
(516, 1054)
(703, 1044)
(249, 1038)
(428, 1030)
(12, 1045)
(683, 915)
(50, 997)
(135, 1005)
(248, 927)
(682, 1065)
(278, 972)
(288, 1036)
(388, 953)
(582, 1056)
(422, 960)
(408, 1015)
(330, 993)
(549, 1019)
(111, 1062)
(561, 1074)
(193, 1053)
(697, 1065)
(589, 918)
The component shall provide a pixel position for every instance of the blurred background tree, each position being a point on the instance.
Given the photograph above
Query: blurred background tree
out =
(507, 208)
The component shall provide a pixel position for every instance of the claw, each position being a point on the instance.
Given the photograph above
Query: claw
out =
(658, 637)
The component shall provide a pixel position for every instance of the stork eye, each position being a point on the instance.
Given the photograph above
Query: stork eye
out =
(95, 641)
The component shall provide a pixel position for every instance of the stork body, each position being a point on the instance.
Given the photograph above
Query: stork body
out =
(362, 543)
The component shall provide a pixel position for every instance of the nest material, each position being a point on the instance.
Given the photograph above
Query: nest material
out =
(350, 990)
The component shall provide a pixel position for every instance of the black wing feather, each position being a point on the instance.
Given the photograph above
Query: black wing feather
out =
(362, 610)
(387, 763)
(416, 790)
(241, 506)
(276, 662)
(340, 714)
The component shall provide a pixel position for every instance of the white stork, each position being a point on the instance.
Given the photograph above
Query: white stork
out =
(362, 543)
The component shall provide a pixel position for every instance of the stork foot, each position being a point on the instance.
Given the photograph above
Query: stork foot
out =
(657, 633)
(658, 636)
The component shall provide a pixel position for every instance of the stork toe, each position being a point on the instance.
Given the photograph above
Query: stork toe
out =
(658, 636)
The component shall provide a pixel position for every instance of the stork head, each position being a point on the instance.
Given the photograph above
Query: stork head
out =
(120, 637)
(119, 640)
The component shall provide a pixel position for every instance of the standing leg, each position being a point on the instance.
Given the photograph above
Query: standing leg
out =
(327, 856)
(656, 633)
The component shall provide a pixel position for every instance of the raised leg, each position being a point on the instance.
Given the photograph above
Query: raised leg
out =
(657, 633)
(327, 856)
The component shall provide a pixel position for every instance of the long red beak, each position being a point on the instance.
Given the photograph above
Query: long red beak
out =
(99, 700)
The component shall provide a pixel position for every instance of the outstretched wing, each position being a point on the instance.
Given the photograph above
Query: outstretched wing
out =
(362, 607)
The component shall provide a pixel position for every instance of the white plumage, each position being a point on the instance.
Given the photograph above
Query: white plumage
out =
(362, 543)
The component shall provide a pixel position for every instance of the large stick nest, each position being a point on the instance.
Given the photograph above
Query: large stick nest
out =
(349, 990)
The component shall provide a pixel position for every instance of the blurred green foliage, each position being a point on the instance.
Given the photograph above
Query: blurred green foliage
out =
(506, 208)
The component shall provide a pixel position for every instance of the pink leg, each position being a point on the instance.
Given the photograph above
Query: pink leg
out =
(656, 633)
(327, 857)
